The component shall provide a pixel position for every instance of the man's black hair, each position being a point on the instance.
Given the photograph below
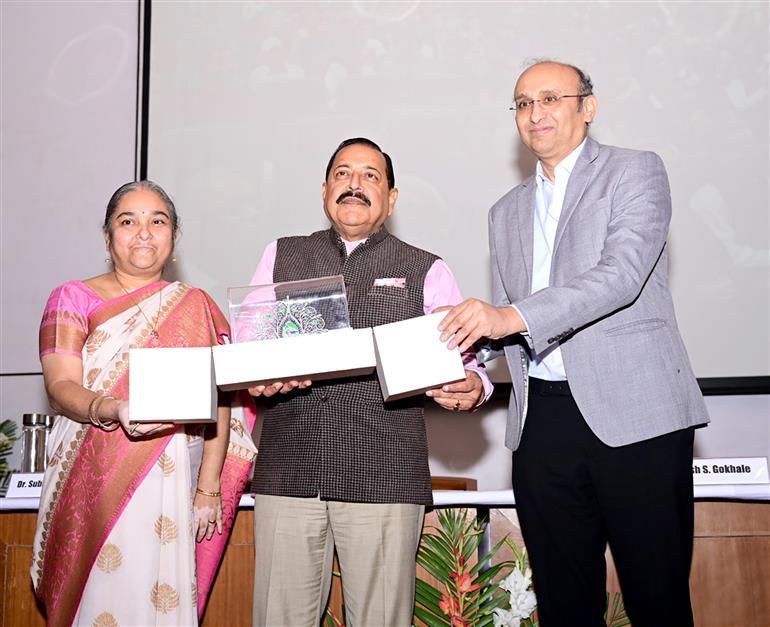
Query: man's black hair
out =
(366, 142)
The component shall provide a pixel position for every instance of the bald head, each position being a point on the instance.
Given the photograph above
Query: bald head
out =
(554, 106)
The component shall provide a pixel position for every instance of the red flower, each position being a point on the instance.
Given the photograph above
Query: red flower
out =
(464, 584)
(448, 604)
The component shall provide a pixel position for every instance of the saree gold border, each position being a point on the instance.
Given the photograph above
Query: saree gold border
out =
(68, 461)
(56, 315)
(118, 305)
(71, 455)
(141, 339)
(241, 452)
(61, 334)
(108, 384)
(170, 303)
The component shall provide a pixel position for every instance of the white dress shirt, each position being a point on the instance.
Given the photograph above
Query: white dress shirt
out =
(549, 200)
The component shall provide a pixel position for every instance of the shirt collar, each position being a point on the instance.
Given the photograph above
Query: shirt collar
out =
(564, 167)
(349, 247)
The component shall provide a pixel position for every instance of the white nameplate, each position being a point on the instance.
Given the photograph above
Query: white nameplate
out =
(25, 485)
(730, 470)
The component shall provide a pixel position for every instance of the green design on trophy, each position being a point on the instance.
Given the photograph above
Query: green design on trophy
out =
(290, 309)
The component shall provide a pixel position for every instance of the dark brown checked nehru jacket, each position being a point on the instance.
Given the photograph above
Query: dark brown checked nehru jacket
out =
(338, 439)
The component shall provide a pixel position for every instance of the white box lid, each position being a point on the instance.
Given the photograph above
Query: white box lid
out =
(411, 358)
(171, 385)
(335, 354)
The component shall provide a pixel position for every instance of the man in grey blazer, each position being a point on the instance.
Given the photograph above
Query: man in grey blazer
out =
(604, 400)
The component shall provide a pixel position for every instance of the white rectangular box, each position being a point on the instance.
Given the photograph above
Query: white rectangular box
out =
(171, 385)
(411, 358)
(332, 355)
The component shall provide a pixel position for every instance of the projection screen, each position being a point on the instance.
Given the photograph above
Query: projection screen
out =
(248, 100)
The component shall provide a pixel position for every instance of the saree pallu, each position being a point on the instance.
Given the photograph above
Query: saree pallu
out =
(114, 543)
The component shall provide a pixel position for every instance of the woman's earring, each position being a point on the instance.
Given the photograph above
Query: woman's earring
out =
(173, 259)
(108, 259)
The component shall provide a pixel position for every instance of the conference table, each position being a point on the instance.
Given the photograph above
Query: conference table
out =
(729, 576)
(498, 498)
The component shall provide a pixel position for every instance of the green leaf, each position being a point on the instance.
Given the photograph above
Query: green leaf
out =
(487, 557)
(442, 543)
(430, 619)
(435, 570)
(491, 604)
(436, 559)
(426, 594)
(470, 549)
(437, 555)
(487, 576)
(486, 620)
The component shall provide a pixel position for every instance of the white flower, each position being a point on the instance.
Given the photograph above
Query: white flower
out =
(517, 581)
(505, 618)
(523, 604)
(522, 599)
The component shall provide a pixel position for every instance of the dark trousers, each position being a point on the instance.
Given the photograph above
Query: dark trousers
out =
(574, 494)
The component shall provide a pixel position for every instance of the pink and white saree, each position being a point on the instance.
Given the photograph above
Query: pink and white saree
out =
(114, 543)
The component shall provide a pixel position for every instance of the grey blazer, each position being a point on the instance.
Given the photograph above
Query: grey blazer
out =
(608, 303)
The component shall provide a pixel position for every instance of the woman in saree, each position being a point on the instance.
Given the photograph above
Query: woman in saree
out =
(123, 503)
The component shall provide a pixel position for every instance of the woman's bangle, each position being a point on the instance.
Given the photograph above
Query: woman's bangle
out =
(93, 408)
(204, 493)
(90, 412)
(93, 413)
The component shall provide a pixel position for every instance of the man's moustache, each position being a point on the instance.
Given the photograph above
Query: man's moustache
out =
(352, 194)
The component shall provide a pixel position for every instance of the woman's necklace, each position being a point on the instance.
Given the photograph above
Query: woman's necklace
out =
(154, 330)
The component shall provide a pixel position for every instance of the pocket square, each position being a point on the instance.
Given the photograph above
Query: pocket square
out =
(390, 282)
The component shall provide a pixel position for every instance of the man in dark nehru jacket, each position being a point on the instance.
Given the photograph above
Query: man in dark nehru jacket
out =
(604, 401)
(336, 465)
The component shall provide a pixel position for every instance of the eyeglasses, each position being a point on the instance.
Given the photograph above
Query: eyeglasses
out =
(548, 102)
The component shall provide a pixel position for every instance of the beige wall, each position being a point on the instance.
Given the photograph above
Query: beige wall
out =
(68, 97)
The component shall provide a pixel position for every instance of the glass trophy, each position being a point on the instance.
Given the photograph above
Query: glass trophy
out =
(282, 310)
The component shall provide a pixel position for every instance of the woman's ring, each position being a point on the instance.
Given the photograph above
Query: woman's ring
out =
(457, 406)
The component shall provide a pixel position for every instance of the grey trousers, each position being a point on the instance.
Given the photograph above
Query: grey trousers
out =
(295, 540)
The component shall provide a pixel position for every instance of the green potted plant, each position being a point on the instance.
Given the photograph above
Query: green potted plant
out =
(7, 439)
(466, 592)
